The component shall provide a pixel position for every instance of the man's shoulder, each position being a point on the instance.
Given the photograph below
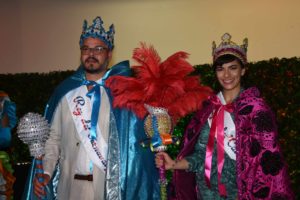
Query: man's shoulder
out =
(71, 82)
(120, 69)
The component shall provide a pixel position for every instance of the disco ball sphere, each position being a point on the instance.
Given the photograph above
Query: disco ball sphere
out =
(33, 129)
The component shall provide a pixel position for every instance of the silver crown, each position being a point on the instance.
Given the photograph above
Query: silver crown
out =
(96, 30)
(229, 47)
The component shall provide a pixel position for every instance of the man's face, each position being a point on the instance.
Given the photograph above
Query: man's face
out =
(95, 55)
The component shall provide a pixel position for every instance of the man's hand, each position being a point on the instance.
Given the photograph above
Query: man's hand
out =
(39, 190)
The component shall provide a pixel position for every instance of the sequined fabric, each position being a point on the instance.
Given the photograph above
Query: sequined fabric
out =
(261, 172)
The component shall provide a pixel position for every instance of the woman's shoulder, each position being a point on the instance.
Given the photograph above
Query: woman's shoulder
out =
(207, 106)
(250, 100)
(251, 92)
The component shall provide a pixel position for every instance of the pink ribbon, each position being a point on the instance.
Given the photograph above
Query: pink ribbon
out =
(217, 128)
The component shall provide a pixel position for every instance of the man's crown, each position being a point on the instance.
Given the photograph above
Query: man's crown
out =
(96, 30)
(229, 47)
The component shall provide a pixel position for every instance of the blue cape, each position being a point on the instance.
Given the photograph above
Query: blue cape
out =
(138, 175)
(9, 109)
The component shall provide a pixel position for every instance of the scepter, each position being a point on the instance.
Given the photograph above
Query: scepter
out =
(158, 127)
(33, 129)
(166, 86)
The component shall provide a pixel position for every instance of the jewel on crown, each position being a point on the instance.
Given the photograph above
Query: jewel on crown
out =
(96, 30)
(229, 47)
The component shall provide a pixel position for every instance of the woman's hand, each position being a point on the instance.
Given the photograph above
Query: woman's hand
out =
(163, 159)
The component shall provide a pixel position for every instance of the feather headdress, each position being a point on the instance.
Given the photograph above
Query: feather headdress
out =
(164, 84)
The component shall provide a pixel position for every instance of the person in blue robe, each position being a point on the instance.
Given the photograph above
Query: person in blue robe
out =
(129, 168)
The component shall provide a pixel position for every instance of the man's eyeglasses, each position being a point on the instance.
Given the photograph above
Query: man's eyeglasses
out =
(96, 50)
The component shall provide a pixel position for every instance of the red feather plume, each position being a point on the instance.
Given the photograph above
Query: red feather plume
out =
(164, 84)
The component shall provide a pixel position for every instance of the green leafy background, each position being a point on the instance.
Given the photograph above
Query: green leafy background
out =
(277, 79)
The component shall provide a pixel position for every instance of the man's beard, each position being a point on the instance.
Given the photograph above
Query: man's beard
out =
(90, 68)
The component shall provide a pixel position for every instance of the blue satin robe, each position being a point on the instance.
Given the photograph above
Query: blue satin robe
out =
(131, 172)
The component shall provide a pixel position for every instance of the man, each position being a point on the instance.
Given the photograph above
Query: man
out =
(96, 147)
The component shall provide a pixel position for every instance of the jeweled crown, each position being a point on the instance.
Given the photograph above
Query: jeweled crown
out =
(96, 30)
(229, 47)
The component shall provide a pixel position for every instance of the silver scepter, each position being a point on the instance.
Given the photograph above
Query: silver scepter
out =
(33, 129)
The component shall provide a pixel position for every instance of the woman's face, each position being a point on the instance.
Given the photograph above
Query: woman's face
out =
(229, 76)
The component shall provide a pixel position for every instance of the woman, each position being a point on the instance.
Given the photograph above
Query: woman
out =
(230, 148)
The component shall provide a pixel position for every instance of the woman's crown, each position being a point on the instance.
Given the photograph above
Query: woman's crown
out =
(229, 47)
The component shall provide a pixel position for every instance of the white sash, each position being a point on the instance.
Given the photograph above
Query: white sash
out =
(81, 108)
(229, 130)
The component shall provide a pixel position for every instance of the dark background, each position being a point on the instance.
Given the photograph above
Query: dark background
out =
(277, 79)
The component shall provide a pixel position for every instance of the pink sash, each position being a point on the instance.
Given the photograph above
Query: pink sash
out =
(217, 128)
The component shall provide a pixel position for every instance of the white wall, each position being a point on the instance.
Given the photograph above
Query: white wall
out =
(46, 32)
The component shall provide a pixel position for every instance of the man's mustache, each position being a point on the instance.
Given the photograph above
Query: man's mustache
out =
(92, 59)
